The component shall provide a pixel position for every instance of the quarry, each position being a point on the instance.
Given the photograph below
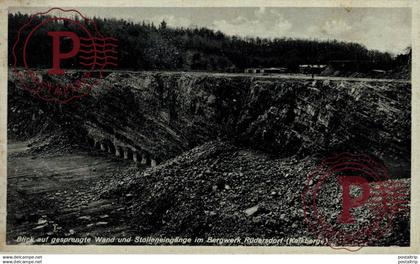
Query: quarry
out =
(194, 154)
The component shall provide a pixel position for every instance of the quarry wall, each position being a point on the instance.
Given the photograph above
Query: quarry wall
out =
(152, 116)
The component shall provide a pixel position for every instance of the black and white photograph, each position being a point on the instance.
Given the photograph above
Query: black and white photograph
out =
(255, 126)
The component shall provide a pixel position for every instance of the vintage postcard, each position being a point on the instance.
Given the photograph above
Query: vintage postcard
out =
(205, 127)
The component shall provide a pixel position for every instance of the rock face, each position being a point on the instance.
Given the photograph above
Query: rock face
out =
(237, 149)
(153, 116)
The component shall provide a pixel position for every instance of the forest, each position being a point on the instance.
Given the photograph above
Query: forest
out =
(145, 46)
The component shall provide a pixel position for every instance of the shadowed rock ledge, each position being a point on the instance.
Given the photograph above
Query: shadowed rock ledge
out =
(153, 116)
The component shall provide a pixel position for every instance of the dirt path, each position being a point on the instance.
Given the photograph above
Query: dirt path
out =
(260, 75)
(284, 76)
(59, 194)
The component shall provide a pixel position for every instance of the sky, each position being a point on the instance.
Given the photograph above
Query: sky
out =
(384, 29)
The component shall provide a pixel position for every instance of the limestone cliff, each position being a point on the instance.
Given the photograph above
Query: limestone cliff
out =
(159, 115)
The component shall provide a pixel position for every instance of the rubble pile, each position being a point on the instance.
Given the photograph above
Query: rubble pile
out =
(217, 189)
(220, 190)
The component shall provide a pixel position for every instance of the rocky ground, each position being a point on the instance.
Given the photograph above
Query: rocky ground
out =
(57, 192)
(220, 190)
(215, 190)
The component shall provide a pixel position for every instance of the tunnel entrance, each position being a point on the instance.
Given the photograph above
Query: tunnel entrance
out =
(109, 146)
(118, 151)
(125, 152)
(91, 142)
(97, 145)
(129, 154)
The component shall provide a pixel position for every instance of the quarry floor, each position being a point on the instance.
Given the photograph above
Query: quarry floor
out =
(59, 194)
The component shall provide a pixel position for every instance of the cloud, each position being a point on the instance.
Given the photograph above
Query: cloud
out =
(330, 28)
(260, 12)
(371, 31)
(282, 24)
(265, 24)
(336, 27)
(171, 20)
(375, 31)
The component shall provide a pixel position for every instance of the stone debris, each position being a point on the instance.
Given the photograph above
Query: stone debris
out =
(252, 210)
(42, 221)
(40, 227)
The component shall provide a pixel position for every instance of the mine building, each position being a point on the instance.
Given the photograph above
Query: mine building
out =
(272, 70)
(312, 68)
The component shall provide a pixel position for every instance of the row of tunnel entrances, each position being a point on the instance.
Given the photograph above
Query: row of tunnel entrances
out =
(127, 153)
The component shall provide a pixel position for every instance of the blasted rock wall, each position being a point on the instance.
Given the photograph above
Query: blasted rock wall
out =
(163, 114)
